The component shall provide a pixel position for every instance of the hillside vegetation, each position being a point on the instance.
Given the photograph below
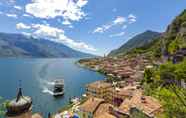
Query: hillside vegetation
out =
(137, 41)
(167, 82)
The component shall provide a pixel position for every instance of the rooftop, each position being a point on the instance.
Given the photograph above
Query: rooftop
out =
(146, 104)
(128, 103)
(91, 104)
(99, 84)
(126, 92)
(105, 115)
(102, 109)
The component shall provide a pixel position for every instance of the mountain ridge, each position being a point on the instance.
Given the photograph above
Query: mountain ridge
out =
(19, 45)
(137, 41)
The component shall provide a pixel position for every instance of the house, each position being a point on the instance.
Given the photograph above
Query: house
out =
(95, 108)
(98, 89)
(103, 111)
(139, 105)
(88, 109)
(105, 115)
(148, 106)
(117, 95)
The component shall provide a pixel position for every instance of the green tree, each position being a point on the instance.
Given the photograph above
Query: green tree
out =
(148, 75)
(2, 107)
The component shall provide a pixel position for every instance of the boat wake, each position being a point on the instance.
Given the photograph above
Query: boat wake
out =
(46, 90)
(46, 85)
(48, 82)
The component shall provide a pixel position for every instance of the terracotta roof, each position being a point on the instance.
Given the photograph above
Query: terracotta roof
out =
(91, 104)
(37, 116)
(149, 105)
(102, 109)
(99, 84)
(146, 104)
(128, 103)
(126, 91)
(125, 106)
(105, 115)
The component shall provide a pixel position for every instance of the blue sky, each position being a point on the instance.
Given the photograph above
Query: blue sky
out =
(93, 26)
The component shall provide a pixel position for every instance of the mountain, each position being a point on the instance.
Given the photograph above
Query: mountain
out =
(18, 45)
(171, 41)
(137, 41)
(175, 35)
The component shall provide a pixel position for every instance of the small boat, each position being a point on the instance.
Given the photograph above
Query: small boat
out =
(58, 87)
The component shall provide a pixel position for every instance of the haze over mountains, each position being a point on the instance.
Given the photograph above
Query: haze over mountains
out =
(19, 45)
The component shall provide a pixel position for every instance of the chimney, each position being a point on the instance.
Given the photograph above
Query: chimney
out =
(143, 99)
(92, 99)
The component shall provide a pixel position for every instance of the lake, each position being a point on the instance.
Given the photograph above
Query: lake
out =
(36, 77)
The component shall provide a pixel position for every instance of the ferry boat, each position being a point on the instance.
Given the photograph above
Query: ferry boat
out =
(58, 88)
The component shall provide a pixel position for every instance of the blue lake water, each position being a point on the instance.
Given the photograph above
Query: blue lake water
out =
(36, 76)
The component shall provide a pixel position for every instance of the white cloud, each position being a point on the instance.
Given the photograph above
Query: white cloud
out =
(131, 18)
(11, 15)
(26, 15)
(77, 45)
(99, 30)
(66, 22)
(26, 34)
(18, 7)
(46, 31)
(119, 20)
(103, 28)
(22, 26)
(58, 35)
(68, 9)
(118, 34)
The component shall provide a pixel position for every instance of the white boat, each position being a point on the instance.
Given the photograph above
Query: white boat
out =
(58, 87)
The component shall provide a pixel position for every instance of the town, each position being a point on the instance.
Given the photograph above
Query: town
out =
(143, 78)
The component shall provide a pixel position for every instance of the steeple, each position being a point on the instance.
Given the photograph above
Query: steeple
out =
(19, 94)
(49, 115)
(20, 106)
